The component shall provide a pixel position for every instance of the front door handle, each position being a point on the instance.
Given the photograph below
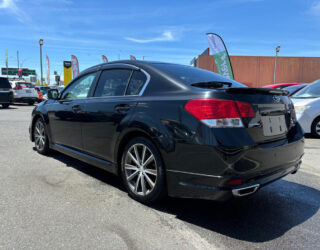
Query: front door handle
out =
(122, 108)
(76, 108)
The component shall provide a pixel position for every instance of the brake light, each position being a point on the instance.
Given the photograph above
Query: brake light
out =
(17, 88)
(219, 112)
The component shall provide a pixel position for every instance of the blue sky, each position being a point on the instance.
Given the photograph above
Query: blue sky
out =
(171, 31)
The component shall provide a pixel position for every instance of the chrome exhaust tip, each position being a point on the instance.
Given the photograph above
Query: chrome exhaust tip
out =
(239, 192)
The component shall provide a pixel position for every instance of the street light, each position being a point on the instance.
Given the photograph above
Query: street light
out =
(275, 64)
(41, 43)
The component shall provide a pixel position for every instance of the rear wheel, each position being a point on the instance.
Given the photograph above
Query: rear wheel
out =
(30, 102)
(41, 140)
(142, 171)
(5, 105)
(315, 127)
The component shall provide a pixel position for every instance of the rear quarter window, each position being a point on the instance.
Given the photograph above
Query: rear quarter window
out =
(4, 83)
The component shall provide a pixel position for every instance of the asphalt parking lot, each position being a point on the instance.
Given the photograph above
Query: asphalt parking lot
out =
(56, 202)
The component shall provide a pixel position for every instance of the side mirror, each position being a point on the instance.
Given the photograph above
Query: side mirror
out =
(53, 94)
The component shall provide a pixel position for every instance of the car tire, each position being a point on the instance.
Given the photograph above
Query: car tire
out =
(31, 103)
(315, 127)
(143, 175)
(5, 105)
(41, 140)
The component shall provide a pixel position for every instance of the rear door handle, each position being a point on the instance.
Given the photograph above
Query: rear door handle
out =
(76, 108)
(122, 108)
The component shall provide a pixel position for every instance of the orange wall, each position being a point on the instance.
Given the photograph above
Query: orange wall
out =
(258, 70)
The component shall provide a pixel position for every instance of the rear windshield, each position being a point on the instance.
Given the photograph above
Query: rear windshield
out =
(4, 83)
(24, 85)
(190, 75)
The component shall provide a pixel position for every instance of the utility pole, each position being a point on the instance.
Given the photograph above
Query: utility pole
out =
(119, 54)
(41, 43)
(7, 62)
(275, 64)
(18, 59)
(143, 58)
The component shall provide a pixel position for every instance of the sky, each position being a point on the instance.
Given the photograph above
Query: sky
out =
(166, 30)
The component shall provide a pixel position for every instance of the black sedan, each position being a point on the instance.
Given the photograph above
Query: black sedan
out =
(6, 93)
(170, 129)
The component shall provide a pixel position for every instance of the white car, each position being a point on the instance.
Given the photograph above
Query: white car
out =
(24, 92)
(307, 106)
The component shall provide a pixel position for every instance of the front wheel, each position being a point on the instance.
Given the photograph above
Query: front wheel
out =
(315, 127)
(41, 140)
(5, 105)
(142, 171)
(30, 102)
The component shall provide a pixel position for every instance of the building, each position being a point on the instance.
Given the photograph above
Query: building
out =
(257, 71)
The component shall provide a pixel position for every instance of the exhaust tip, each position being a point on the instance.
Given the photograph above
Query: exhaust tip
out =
(239, 192)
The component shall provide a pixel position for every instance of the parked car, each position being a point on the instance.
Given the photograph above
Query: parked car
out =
(294, 88)
(307, 106)
(282, 85)
(6, 93)
(172, 129)
(44, 89)
(24, 92)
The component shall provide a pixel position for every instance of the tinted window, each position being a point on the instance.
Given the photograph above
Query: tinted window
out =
(137, 81)
(311, 91)
(80, 88)
(189, 75)
(4, 83)
(113, 82)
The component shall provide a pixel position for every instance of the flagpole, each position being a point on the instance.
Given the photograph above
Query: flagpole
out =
(7, 62)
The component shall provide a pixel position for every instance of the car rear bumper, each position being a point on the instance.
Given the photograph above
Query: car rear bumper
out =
(267, 165)
(25, 99)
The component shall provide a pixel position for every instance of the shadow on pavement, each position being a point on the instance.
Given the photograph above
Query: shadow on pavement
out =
(264, 216)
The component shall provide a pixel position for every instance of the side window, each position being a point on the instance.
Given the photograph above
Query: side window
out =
(113, 82)
(137, 81)
(80, 88)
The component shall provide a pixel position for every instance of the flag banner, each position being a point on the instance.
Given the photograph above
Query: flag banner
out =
(67, 72)
(7, 59)
(220, 54)
(132, 58)
(104, 59)
(206, 52)
(75, 66)
(48, 71)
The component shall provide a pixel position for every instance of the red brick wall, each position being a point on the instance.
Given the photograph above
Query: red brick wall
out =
(258, 71)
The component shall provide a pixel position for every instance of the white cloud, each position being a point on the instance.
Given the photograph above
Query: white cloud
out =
(165, 37)
(315, 8)
(11, 6)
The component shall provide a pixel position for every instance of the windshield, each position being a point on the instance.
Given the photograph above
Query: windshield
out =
(311, 91)
(190, 75)
(4, 83)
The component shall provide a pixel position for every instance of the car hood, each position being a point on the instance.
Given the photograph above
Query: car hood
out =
(304, 101)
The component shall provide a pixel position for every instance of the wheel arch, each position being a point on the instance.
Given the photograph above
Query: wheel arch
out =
(128, 136)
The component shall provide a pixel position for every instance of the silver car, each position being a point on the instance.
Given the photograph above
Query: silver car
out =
(307, 106)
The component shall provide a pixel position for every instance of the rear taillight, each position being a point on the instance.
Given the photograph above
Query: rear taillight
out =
(219, 112)
(17, 88)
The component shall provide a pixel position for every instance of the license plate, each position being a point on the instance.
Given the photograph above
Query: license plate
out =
(28, 91)
(274, 125)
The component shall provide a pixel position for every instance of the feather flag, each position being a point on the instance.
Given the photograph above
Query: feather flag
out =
(220, 54)
(48, 70)
(104, 59)
(75, 66)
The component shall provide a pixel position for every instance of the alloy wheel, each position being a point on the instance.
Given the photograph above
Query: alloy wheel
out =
(39, 136)
(317, 129)
(140, 169)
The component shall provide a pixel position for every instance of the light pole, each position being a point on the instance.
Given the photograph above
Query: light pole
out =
(41, 43)
(275, 64)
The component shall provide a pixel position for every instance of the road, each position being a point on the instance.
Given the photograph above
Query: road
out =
(56, 202)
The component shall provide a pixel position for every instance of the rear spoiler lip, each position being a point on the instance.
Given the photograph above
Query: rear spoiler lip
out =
(257, 90)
